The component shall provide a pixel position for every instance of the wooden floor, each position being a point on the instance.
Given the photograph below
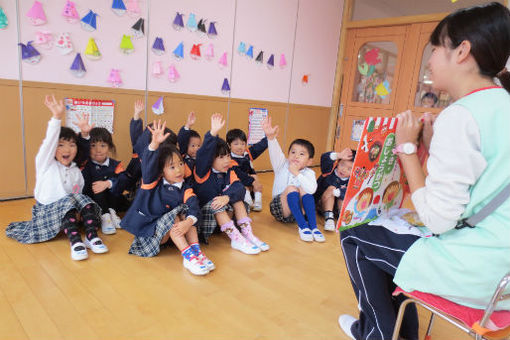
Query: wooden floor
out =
(294, 291)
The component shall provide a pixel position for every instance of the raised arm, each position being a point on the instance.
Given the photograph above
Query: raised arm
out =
(205, 155)
(150, 172)
(258, 148)
(276, 154)
(46, 153)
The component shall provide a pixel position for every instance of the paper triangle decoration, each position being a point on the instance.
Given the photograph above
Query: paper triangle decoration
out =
(241, 49)
(178, 23)
(118, 7)
(157, 69)
(212, 33)
(179, 51)
(70, 13)
(209, 52)
(36, 14)
(249, 53)
(270, 62)
(283, 61)
(201, 26)
(88, 22)
(3, 19)
(29, 54)
(158, 47)
(126, 45)
(158, 107)
(77, 67)
(138, 29)
(260, 57)
(225, 88)
(305, 79)
(92, 52)
(64, 44)
(114, 78)
(44, 39)
(195, 52)
(191, 24)
(132, 8)
(223, 60)
(173, 75)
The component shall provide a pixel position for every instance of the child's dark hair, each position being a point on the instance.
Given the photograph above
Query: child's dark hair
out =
(100, 134)
(68, 134)
(193, 134)
(353, 154)
(306, 144)
(487, 28)
(430, 95)
(222, 148)
(234, 134)
(166, 154)
(171, 140)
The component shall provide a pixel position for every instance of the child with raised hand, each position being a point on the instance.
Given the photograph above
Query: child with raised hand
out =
(219, 190)
(294, 184)
(134, 169)
(244, 157)
(332, 184)
(189, 141)
(165, 207)
(58, 188)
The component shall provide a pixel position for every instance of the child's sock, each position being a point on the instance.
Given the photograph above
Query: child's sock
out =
(295, 209)
(187, 253)
(309, 207)
(258, 197)
(71, 228)
(247, 198)
(247, 232)
(232, 232)
(90, 221)
(328, 214)
(195, 248)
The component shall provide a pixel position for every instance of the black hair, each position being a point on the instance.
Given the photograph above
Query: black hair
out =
(430, 95)
(101, 134)
(222, 148)
(166, 154)
(306, 144)
(194, 134)
(487, 28)
(171, 140)
(234, 134)
(69, 135)
(353, 154)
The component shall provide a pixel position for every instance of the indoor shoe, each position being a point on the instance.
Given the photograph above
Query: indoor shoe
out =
(305, 234)
(329, 224)
(317, 235)
(96, 245)
(79, 252)
(346, 321)
(195, 266)
(254, 239)
(107, 226)
(241, 244)
(257, 206)
(115, 218)
(205, 260)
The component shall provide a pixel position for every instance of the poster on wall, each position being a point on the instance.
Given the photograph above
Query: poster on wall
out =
(100, 112)
(255, 130)
(357, 129)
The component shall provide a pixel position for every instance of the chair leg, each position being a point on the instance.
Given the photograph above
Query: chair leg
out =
(429, 327)
(400, 317)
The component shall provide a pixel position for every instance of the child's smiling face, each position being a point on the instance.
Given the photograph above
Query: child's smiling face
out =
(66, 151)
(299, 156)
(193, 146)
(238, 147)
(344, 168)
(222, 163)
(99, 151)
(173, 171)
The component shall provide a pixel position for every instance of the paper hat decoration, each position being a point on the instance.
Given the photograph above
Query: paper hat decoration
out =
(178, 23)
(211, 33)
(64, 44)
(383, 89)
(179, 51)
(126, 45)
(209, 52)
(260, 57)
(133, 8)
(223, 60)
(114, 78)
(3, 19)
(225, 88)
(36, 14)
(201, 26)
(157, 69)
(283, 61)
(270, 62)
(305, 79)
(77, 67)
(173, 75)
(70, 13)
(44, 39)
(249, 53)
(242, 48)
(29, 54)
(92, 52)
(158, 47)
(195, 52)
(158, 107)
(88, 22)
(191, 24)
(138, 29)
(118, 7)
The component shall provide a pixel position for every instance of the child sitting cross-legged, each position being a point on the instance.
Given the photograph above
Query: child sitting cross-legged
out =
(219, 190)
(189, 142)
(165, 206)
(294, 184)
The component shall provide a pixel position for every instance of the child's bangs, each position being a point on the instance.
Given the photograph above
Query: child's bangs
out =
(440, 36)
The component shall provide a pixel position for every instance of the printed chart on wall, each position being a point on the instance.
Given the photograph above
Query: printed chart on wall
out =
(100, 112)
(377, 182)
(255, 130)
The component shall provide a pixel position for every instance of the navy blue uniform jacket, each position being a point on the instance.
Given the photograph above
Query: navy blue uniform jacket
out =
(328, 177)
(244, 167)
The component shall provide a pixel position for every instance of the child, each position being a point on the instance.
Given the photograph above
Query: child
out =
(294, 183)
(332, 183)
(165, 207)
(134, 168)
(236, 140)
(58, 196)
(189, 141)
(467, 156)
(219, 190)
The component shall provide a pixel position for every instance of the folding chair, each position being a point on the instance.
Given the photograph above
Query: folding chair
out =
(475, 322)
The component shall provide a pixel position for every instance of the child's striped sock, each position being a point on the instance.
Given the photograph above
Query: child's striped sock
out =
(187, 253)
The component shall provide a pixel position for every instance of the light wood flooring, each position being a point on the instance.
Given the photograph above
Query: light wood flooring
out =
(294, 291)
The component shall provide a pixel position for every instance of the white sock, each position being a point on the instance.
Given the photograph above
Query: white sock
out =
(247, 197)
(258, 196)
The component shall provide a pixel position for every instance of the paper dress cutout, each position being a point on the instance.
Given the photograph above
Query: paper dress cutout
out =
(191, 24)
(270, 62)
(29, 54)
(3, 19)
(209, 52)
(366, 70)
(64, 44)
(223, 60)
(114, 78)
(88, 22)
(225, 88)
(372, 57)
(195, 52)
(138, 29)
(305, 79)
(126, 45)
(132, 8)
(242, 48)
(283, 61)
(44, 39)
(157, 69)
(173, 75)
(211, 32)
(179, 51)
(158, 47)
(36, 14)
(201, 27)
(70, 13)
(92, 52)
(260, 57)
(158, 107)
(249, 53)
(383, 89)
(178, 23)
(77, 67)
(118, 7)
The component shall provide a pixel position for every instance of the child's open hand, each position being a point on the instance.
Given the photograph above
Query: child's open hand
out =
(57, 108)
(345, 154)
(138, 108)
(191, 120)
(217, 123)
(270, 131)
(158, 133)
(100, 186)
(83, 123)
(220, 201)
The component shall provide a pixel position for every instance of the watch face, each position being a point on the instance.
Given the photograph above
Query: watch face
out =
(409, 148)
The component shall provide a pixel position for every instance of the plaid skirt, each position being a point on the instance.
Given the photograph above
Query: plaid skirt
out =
(47, 219)
(208, 224)
(150, 246)
(276, 209)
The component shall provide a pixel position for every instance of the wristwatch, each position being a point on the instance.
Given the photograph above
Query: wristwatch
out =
(405, 148)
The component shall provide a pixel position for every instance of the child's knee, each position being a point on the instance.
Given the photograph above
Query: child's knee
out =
(291, 188)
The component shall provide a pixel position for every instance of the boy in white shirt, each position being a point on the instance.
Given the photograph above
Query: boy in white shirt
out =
(294, 184)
